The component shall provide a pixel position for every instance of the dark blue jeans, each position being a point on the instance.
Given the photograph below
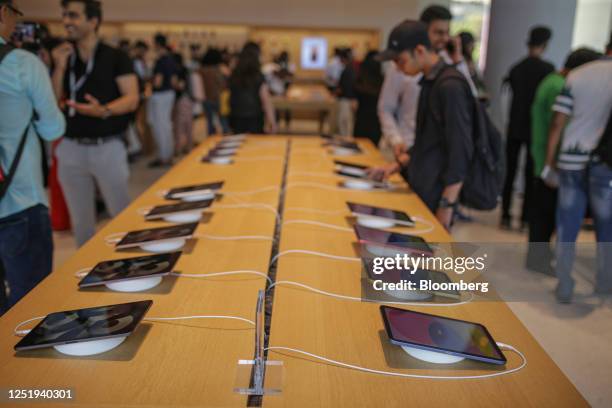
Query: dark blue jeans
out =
(26, 252)
(576, 189)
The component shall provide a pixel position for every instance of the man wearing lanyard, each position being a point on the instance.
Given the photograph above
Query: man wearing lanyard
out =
(99, 89)
(26, 244)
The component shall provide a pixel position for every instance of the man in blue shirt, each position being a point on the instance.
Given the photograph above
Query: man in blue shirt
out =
(26, 245)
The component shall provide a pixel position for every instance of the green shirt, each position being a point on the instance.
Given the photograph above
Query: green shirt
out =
(541, 115)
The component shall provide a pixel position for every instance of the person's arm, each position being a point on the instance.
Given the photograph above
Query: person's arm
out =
(50, 123)
(127, 82)
(266, 102)
(60, 55)
(562, 110)
(557, 124)
(457, 107)
(388, 103)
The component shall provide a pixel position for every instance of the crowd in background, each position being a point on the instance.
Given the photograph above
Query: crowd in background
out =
(418, 101)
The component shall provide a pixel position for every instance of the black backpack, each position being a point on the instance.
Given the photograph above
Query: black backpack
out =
(484, 182)
(6, 178)
(604, 149)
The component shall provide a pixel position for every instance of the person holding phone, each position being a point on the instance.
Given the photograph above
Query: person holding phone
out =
(96, 85)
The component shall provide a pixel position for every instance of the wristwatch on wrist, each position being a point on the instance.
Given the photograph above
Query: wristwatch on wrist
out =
(444, 203)
(107, 112)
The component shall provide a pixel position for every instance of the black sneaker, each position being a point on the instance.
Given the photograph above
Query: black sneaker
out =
(156, 163)
(505, 223)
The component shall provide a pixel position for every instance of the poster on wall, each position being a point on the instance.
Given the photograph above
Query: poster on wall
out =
(314, 53)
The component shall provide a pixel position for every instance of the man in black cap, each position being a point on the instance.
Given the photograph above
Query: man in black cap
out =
(524, 78)
(439, 159)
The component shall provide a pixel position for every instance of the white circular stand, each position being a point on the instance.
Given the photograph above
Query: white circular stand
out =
(373, 222)
(343, 151)
(184, 217)
(352, 171)
(358, 185)
(409, 295)
(230, 144)
(90, 348)
(224, 151)
(431, 356)
(199, 197)
(166, 246)
(135, 285)
(221, 160)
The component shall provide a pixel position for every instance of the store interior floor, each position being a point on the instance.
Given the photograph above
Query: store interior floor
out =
(577, 336)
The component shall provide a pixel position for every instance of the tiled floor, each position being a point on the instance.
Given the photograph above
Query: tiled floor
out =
(577, 336)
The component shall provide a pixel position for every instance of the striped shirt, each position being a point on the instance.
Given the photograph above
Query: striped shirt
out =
(586, 99)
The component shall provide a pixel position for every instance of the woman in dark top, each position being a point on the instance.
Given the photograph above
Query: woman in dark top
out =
(249, 97)
(367, 88)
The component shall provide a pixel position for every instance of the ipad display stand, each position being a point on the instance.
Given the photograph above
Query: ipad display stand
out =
(166, 246)
(358, 185)
(431, 356)
(184, 217)
(344, 151)
(221, 160)
(259, 376)
(374, 222)
(135, 285)
(200, 196)
(91, 347)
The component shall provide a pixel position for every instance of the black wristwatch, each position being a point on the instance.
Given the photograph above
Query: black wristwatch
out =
(444, 203)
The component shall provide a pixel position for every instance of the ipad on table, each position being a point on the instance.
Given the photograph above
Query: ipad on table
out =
(162, 211)
(392, 240)
(440, 334)
(178, 193)
(398, 217)
(150, 235)
(118, 270)
(75, 326)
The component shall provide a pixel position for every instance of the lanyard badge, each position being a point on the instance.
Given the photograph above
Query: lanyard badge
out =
(75, 85)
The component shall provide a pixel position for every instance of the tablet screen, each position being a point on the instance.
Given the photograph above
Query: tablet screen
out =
(379, 212)
(187, 190)
(394, 239)
(158, 234)
(435, 332)
(162, 210)
(130, 268)
(85, 324)
(353, 165)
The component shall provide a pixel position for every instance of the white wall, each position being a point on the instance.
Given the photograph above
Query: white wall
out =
(510, 23)
(592, 24)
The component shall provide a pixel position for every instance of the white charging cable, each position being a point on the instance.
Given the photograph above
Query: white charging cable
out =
(418, 376)
(315, 210)
(313, 174)
(319, 224)
(314, 185)
(21, 333)
(251, 192)
(228, 273)
(261, 206)
(256, 159)
(163, 319)
(234, 238)
(315, 253)
(84, 271)
(357, 299)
